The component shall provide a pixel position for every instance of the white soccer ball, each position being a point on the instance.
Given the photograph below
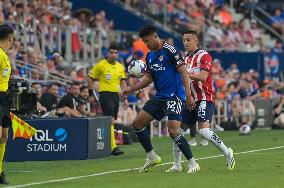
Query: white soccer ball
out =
(245, 129)
(137, 68)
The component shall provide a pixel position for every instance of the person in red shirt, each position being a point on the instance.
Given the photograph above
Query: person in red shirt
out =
(199, 67)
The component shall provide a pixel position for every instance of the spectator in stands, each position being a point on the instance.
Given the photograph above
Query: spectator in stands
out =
(278, 111)
(84, 104)
(278, 48)
(49, 100)
(71, 100)
(38, 91)
(277, 21)
(225, 15)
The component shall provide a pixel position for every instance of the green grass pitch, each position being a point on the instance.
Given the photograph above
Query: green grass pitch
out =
(259, 169)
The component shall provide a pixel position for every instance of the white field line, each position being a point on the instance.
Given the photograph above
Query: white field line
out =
(131, 169)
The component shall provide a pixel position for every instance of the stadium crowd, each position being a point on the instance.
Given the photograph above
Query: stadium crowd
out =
(75, 100)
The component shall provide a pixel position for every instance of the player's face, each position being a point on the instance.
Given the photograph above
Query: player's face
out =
(190, 42)
(150, 41)
(112, 55)
(11, 40)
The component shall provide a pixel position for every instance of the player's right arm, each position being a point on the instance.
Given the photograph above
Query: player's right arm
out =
(147, 79)
(94, 73)
(205, 69)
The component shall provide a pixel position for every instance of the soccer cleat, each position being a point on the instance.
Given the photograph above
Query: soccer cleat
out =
(116, 151)
(150, 163)
(204, 142)
(3, 179)
(174, 168)
(192, 142)
(193, 168)
(230, 159)
(218, 128)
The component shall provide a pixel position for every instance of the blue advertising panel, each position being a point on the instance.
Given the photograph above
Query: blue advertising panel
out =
(56, 139)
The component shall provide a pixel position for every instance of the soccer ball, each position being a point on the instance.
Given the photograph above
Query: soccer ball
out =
(137, 68)
(245, 129)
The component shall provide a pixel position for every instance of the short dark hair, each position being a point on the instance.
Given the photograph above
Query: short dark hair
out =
(52, 84)
(192, 32)
(35, 83)
(5, 31)
(113, 46)
(147, 30)
(83, 87)
(75, 84)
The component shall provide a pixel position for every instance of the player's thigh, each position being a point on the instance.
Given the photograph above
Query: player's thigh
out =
(155, 108)
(173, 108)
(142, 119)
(204, 113)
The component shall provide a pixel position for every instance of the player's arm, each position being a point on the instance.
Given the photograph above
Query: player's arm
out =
(205, 69)
(202, 76)
(146, 80)
(93, 74)
(185, 80)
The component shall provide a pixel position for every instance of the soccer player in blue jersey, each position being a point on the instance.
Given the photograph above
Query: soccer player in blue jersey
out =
(166, 68)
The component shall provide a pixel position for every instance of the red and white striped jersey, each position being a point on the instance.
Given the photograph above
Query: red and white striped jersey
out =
(201, 60)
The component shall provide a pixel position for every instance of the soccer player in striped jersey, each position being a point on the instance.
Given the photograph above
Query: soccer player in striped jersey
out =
(199, 67)
(166, 68)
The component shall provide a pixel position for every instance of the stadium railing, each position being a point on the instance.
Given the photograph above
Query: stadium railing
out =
(48, 77)
(64, 39)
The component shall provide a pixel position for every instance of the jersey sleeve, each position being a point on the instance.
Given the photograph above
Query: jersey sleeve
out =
(147, 64)
(206, 63)
(95, 71)
(175, 57)
(122, 76)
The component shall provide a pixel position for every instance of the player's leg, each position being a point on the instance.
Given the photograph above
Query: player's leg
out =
(108, 104)
(6, 122)
(174, 108)
(188, 118)
(205, 113)
(192, 141)
(150, 111)
(181, 142)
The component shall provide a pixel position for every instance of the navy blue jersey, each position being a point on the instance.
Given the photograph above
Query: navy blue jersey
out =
(162, 65)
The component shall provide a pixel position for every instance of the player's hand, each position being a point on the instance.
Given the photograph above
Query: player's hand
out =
(125, 104)
(190, 103)
(124, 92)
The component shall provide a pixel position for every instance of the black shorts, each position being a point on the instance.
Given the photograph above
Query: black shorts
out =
(171, 107)
(109, 102)
(202, 112)
(5, 108)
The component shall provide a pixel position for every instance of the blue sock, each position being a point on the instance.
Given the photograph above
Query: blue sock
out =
(181, 142)
(144, 138)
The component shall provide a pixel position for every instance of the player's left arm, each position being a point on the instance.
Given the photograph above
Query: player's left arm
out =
(123, 86)
(180, 66)
(205, 69)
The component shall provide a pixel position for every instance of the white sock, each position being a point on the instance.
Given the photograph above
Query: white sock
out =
(212, 137)
(191, 161)
(151, 154)
(177, 155)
